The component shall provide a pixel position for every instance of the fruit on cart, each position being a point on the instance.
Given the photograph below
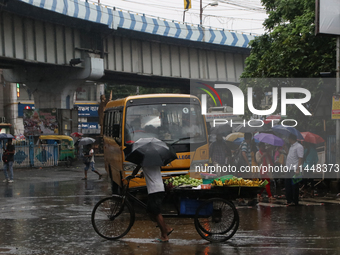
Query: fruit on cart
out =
(243, 182)
(217, 182)
(182, 180)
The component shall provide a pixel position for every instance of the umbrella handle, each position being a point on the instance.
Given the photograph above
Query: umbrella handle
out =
(130, 177)
(133, 174)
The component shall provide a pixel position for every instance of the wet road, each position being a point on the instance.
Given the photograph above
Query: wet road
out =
(48, 211)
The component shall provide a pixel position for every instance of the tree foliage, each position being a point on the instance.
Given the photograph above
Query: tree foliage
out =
(290, 49)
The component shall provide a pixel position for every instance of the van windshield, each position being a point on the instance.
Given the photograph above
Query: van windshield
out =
(167, 122)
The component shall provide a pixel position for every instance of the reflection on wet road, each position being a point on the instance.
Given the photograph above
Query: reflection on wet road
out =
(40, 216)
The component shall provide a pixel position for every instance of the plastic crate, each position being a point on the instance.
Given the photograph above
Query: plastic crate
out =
(189, 207)
(205, 186)
(208, 181)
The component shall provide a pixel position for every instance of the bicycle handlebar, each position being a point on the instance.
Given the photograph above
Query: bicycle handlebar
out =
(130, 177)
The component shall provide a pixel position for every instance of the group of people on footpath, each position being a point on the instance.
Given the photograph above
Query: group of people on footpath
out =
(294, 156)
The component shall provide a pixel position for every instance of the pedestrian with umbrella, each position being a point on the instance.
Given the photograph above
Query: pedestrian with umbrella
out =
(86, 141)
(8, 157)
(294, 163)
(269, 139)
(77, 135)
(219, 152)
(246, 149)
(312, 138)
(151, 154)
(284, 131)
(310, 157)
(233, 136)
(264, 157)
(83, 142)
(265, 161)
(88, 157)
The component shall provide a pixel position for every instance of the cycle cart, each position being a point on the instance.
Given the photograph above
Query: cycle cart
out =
(216, 218)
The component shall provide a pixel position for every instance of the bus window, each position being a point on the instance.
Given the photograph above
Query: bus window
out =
(117, 120)
(168, 122)
(113, 117)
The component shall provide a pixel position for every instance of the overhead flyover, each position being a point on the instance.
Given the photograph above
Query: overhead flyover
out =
(72, 40)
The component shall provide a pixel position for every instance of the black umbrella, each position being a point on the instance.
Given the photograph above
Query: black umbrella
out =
(249, 129)
(149, 152)
(223, 129)
(86, 141)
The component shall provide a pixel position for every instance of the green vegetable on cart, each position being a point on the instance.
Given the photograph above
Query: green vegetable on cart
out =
(182, 180)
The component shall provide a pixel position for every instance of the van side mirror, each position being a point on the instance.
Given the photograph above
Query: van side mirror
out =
(115, 130)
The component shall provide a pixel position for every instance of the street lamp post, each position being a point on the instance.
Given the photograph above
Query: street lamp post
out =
(215, 3)
(337, 123)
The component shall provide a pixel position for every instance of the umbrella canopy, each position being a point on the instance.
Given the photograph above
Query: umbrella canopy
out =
(312, 138)
(233, 136)
(149, 152)
(269, 139)
(6, 136)
(249, 129)
(76, 134)
(86, 141)
(286, 131)
(224, 130)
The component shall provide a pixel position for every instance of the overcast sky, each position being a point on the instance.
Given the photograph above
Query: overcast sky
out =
(240, 15)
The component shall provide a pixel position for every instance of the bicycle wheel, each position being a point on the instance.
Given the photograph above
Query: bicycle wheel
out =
(112, 218)
(216, 220)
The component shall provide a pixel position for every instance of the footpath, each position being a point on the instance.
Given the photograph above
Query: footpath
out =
(55, 173)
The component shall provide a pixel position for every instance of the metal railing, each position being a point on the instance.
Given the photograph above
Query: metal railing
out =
(34, 155)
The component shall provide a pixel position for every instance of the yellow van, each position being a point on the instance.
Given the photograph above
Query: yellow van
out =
(65, 146)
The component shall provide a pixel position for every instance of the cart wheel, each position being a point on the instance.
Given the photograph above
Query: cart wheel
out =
(112, 218)
(216, 220)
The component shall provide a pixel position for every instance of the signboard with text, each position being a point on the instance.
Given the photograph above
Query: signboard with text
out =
(87, 110)
(89, 128)
(336, 108)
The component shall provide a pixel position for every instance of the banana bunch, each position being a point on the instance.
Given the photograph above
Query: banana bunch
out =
(242, 182)
(217, 182)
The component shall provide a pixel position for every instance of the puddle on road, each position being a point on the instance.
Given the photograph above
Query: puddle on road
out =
(55, 218)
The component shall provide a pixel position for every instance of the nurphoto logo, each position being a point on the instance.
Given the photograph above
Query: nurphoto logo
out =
(238, 103)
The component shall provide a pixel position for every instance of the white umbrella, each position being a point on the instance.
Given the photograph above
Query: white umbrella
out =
(86, 141)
